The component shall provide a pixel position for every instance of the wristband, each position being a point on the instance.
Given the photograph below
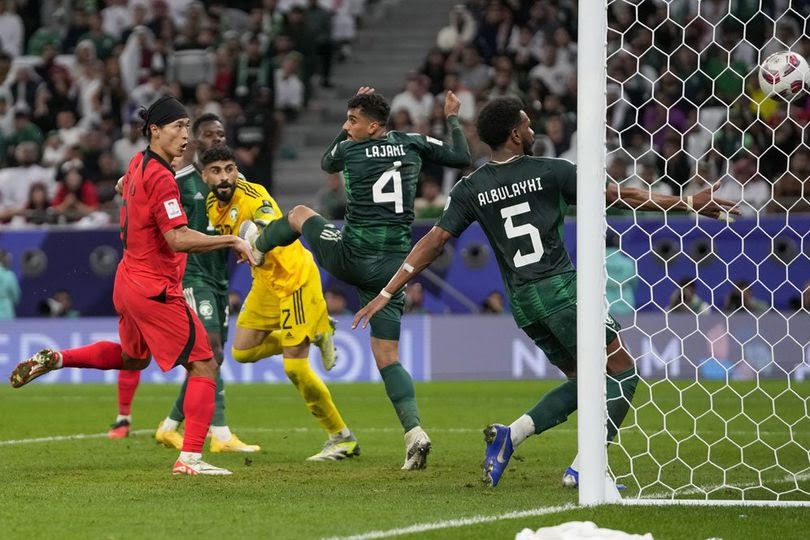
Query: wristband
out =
(385, 294)
(690, 203)
(407, 267)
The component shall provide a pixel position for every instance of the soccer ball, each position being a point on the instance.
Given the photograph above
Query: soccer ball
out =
(784, 73)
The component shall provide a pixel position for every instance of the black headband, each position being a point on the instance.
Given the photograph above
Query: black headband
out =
(163, 111)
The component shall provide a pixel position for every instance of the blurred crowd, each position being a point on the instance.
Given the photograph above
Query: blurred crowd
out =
(684, 106)
(73, 73)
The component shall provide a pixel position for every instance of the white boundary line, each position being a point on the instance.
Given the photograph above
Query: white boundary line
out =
(58, 438)
(457, 523)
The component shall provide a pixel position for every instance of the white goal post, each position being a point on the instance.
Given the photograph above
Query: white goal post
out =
(721, 415)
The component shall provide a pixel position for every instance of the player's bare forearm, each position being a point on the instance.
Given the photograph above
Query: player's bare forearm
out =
(423, 253)
(641, 199)
(704, 202)
(188, 240)
(328, 162)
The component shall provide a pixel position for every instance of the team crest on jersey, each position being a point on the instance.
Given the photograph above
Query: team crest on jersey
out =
(234, 213)
(205, 309)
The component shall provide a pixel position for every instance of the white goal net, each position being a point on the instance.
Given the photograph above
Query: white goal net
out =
(716, 314)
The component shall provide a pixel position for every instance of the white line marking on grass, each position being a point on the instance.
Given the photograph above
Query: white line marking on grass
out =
(695, 490)
(457, 523)
(58, 438)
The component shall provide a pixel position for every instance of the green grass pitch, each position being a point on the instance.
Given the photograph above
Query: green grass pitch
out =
(96, 488)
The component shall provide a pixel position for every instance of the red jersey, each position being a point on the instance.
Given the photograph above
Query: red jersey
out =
(151, 207)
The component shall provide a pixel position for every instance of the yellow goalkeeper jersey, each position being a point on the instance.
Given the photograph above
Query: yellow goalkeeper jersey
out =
(285, 269)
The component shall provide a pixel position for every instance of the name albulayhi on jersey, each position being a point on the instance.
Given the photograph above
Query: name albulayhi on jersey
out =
(509, 191)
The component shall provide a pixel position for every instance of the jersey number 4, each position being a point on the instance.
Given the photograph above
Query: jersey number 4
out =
(516, 231)
(390, 175)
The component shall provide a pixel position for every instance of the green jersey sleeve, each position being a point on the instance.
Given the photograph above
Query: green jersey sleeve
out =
(332, 160)
(436, 151)
(457, 215)
(567, 177)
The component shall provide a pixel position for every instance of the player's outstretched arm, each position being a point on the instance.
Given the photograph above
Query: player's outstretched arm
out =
(459, 155)
(704, 202)
(423, 253)
(190, 241)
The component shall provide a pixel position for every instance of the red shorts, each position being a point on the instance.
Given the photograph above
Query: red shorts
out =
(162, 325)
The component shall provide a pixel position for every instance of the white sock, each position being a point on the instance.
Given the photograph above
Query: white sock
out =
(522, 429)
(120, 417)
(223, 433)
(169, 425)
(189, 456)
(342, 434)
(575, 463)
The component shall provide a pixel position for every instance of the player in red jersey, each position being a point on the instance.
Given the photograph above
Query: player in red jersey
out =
(154, 318)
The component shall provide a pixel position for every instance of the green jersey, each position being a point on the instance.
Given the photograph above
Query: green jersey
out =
(202, 269)
(381, 176)
(520, 205)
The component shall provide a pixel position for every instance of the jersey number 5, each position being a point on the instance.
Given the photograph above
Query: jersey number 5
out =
(390, 175)
(527, 229)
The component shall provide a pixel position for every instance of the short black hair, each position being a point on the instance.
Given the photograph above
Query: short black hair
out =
(373, 105)
(204, 119)
(217, 153)
(497, 120)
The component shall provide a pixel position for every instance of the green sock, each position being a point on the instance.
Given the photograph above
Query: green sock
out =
(620, 390)
(177, 415)
(553, 408)
(177, 410)
(278, 233)
(399, 387)
(219, 402)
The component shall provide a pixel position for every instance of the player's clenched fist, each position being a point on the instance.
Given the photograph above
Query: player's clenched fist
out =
(451, 104)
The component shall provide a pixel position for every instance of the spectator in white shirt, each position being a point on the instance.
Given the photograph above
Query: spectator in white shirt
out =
(744, 184)
(461, 30)
(12, 31)
(415, 99)
(289, 88)
(133, 142)
(553, 71)
(452, 83)
(16, 182)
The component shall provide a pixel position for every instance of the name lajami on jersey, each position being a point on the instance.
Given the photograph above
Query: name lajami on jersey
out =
(507, 192)
(386, 150)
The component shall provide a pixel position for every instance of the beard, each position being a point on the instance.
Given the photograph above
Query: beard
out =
(528, 147)
(224, 196)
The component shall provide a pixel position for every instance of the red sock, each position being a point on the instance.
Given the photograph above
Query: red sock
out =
(199, 409)
(99, 355)
(127, 385)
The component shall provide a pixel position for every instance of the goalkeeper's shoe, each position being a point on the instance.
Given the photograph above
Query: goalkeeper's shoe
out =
(195, 466)
(417, 448)
(120, 430)
(570, 479)
(499, 450)
(41, 363)
(250, 231)
(170, 438)
(337, 449)
(234, 444)
(326, 344)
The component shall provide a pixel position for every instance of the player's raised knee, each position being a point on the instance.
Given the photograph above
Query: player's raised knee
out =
(244, 356)
(298, 215)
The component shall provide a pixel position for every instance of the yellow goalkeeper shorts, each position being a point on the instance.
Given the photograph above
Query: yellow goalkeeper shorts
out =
(298, 316)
